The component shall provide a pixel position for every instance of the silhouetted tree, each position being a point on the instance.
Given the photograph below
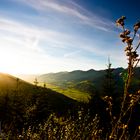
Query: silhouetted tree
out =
(109, 81)
(36, 82)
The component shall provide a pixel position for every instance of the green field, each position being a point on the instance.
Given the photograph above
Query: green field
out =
(69, 92)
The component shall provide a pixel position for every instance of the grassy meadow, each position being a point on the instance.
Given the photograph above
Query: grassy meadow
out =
(69, 92)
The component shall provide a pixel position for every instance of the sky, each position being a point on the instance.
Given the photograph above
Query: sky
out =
(42, 36)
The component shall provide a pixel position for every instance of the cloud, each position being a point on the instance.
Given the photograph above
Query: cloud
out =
(73, 10)
(24, 40)
(71, 54)
(30, 37)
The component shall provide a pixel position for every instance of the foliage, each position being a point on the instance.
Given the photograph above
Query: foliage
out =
(109, 81)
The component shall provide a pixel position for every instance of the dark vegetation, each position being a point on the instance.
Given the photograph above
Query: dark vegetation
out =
(32, 112)
(24, 106)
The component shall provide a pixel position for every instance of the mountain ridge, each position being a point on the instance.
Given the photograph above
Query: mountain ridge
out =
(85, 81)
(76, 75)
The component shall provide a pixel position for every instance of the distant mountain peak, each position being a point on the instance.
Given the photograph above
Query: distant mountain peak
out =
(91, 70)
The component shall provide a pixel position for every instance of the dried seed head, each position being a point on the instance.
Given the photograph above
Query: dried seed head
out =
(123, 40)
(137, 26)
(129, 40)
(128, 53)
(120, 21)
(110, 98)
(128, 48)
(134, 54)
(130, 95)
(122, 35)
(114, 117)
(111, 137)
(124, 126)
(123, 17)
(132, 101)
(127, 32)
(107, 109)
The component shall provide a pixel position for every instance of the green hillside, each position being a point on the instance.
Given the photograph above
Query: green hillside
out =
(73, 76)
(80, 85)
(23, 104)
(16, 88)
(84, 82)
(9, 82)
(77, 76)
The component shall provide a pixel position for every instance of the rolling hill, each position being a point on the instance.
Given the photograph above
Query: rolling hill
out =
(23, 105)
(81, 80)
(77, 76)
(12, 86)
(79, 85)
(85, 82)
(9, 82)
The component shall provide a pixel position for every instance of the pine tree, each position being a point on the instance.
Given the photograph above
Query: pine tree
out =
(109, 81)
(36, 82)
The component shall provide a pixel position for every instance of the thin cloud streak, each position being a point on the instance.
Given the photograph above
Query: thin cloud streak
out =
(72, 9)
(32, 35)
(28, 34)
(29, 37)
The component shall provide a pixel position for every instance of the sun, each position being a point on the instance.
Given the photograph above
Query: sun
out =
(8, 59)
(11, 58)
(16, 57)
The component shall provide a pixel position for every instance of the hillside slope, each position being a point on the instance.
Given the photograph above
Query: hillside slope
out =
(13, 86)
(78, 78)
(90, 81)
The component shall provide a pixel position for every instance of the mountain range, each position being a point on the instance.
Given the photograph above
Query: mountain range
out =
(65, 85)
(90, 81)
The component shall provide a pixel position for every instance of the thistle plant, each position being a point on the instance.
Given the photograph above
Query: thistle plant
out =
(130, 50)
(132, 55)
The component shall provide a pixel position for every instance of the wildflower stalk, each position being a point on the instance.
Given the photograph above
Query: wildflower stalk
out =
(133, 61)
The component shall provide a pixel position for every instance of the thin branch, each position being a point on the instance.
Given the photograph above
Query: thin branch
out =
(137, 63)
(134, 35)
(137, 46)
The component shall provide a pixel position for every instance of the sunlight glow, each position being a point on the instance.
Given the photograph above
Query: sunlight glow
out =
(54, 36)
